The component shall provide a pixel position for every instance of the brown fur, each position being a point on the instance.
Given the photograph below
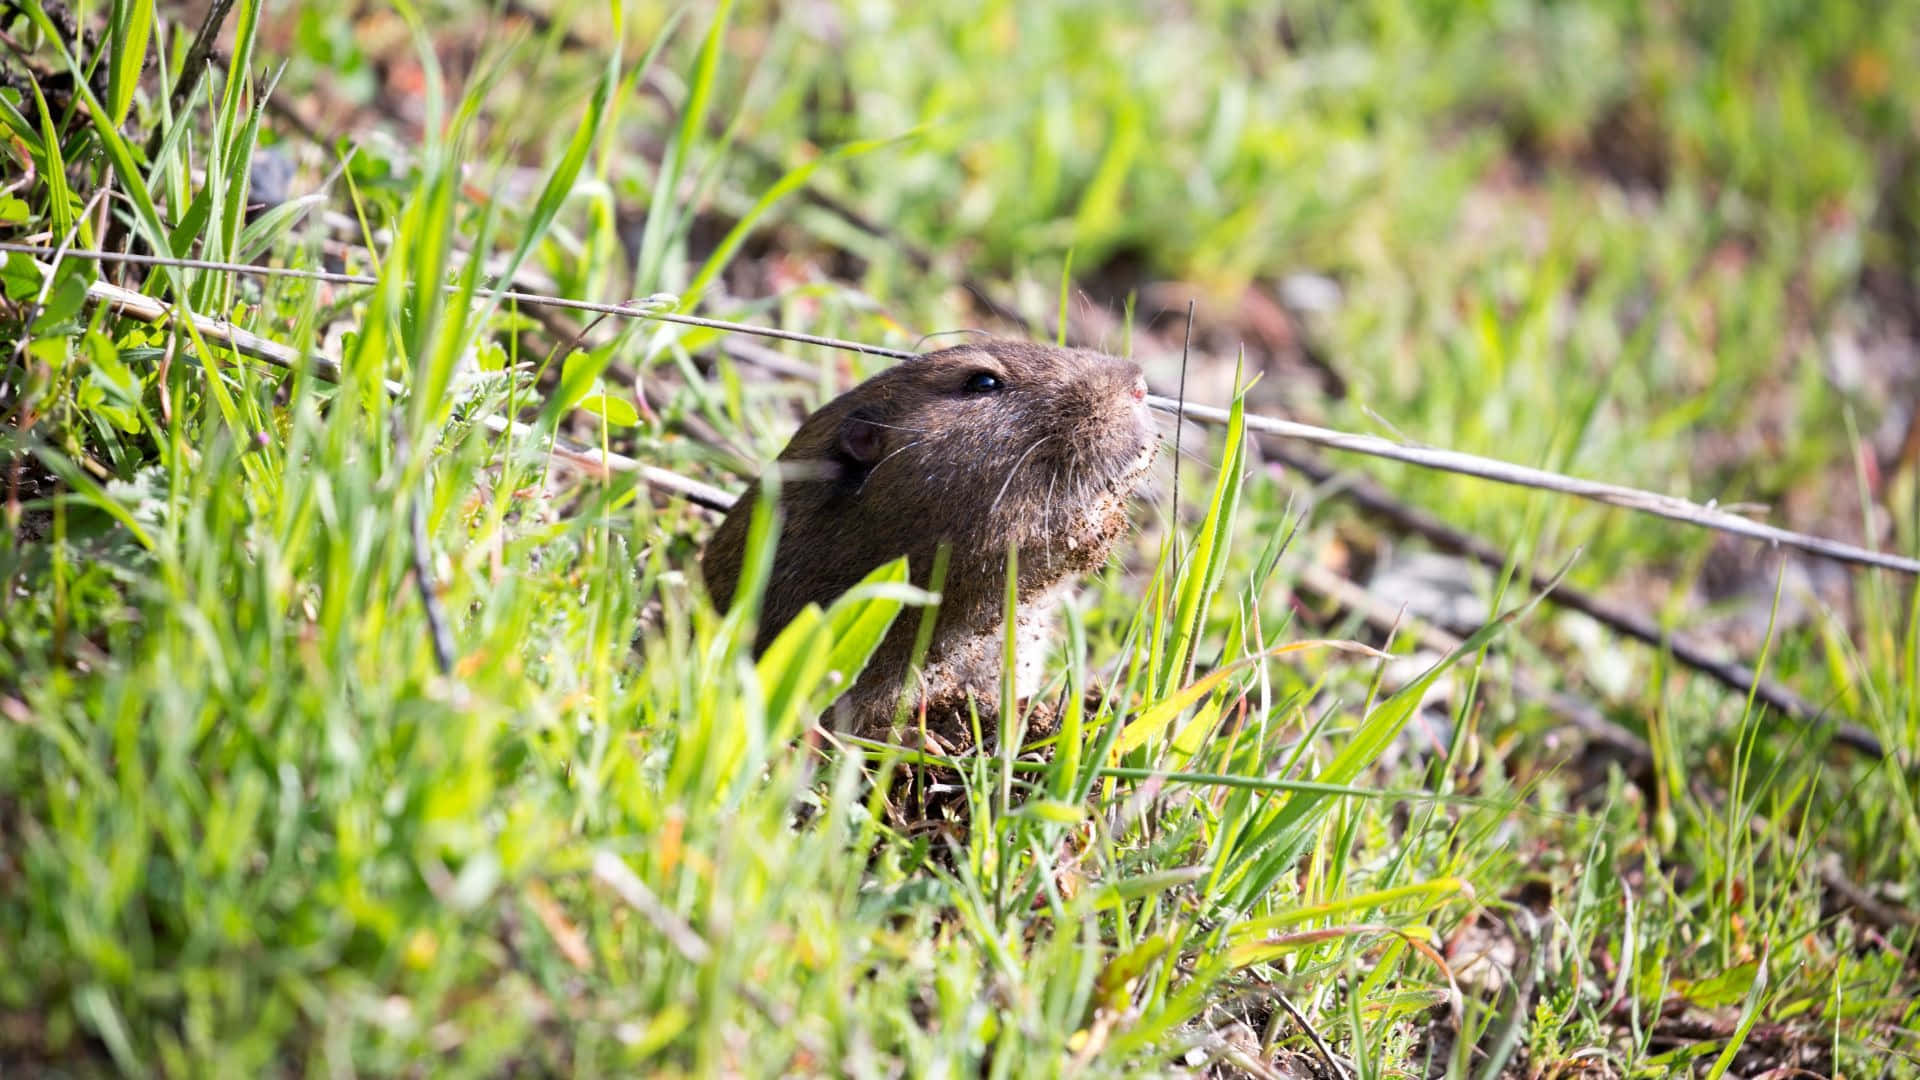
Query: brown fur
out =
(911, 458)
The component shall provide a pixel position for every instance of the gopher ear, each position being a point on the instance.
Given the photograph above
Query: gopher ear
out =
(861, 439)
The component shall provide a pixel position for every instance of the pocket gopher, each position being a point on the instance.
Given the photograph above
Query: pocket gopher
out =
(981, 447)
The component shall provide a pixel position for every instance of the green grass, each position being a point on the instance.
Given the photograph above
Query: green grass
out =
(248, 825)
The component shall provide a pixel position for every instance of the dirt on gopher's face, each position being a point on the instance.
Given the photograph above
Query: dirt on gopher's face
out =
(979, 447)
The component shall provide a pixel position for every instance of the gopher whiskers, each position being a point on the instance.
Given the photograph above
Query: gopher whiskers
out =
(876, 465)
(1174, 440)
(1046, 508)
(1004, 484)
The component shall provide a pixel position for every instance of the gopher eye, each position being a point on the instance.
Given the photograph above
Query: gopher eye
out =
(983, 382)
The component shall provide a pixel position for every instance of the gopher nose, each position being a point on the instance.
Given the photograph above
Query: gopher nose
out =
(1139, 388)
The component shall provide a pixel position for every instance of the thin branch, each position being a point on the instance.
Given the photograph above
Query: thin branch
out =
(631, 310)
(1668, 506)
(1373, 499)
(1647, 502)
(195, 67)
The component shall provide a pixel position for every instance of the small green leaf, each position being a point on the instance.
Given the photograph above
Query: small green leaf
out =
(577, 376)
(62, 304)
(490, 356)
(107, 368)
(1122, 970)
(20, 277)
(1723, 989)
(617, 411)
(50, 350)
